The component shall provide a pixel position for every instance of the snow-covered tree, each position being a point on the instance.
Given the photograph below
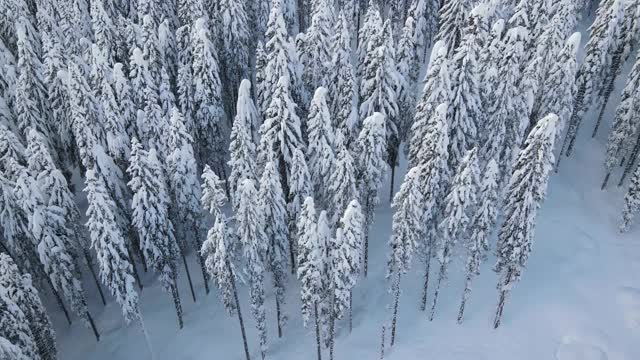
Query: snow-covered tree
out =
(242, 145)
(315, 54)
(117, 138)
(273, 208)
(182, 171)
(341, 82)
(208, 112)
(300, 187)
(342, 186)
(372, 163)
(369, 34)
(14, 325)
(280, 132)
(631, 201)
(408, 68)
(20, 290)
(249, 229)
(236, 40)
(437, 89)
(453, 17)
(114, 260)
(311, 264)
(482, 224)
(262, 89)
(124, 99)
(320, 151)
(425, 14)
(151, 220)
(457, 216)
(524, 196)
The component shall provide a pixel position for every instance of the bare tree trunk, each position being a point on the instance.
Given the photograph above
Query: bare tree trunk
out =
(423, 303)
(93, 326)
(605, 181)
(147, 340)
(465, 297)
(632, 160)
(205, 277)
(87, 259)
(350, 311)
(318, 340)
(366, 240)
(186, 269)
(235, 296)
(279, 317)
(59, 300)
(176, 302)
(382, 343)
(135, 269)
(441, 276)
(498, 318)
(332, 328)
(395, 307)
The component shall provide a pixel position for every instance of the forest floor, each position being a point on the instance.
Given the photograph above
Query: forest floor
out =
(579, 297)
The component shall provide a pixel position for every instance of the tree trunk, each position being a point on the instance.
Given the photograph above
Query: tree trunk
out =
(435, 294)
(350, 311)
(176, 302)
(366, 240)
(135, 242)
(147, 340)
(203, 269)
(186, 269)
(615, 66)
(395, 308)
(279, 316)
(318, 340)
(332, 328)
(393, 175)
(498, 318)
(59, 300)
(632, 160)
(87, 259)
(93, 326)
(423, 303)
(135, 269)
(575, 120)
(465, 297)
(382, 343)
(235, 297)
(605, 181)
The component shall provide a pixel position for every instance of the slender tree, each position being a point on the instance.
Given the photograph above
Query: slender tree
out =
(320, 151)
(631, 201)
(242, 146)
(300, 187)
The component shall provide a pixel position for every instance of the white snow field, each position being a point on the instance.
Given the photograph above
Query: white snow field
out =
(579, 298)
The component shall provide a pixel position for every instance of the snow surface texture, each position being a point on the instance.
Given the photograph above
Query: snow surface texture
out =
(579, 297)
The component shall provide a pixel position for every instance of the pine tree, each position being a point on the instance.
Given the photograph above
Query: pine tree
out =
(406, 233)
(185, 190)
(435, 174)
(300, 187)
(315, 54)
(482, 224)
(320, 151)
(263, 90)
(14, 326)
(103, 29)
(250, 225)
(20, 290)
(625, 124)
(236, 40)
(425, 13)
(453, 18)
(117, 138)
(168, 48)
(242, 145)
(436, 91)
(342, 185)
(280, 132)
(369, 34)
(273, 207)
(524, 196)
(459, 205)
(595, 68)
(114, 260)
(408, 70)
(341, 82)
(311, 262)
(184, 81)
(208, 112)
(150, 217)
(631, 201)
(219, 253)
(372, 150)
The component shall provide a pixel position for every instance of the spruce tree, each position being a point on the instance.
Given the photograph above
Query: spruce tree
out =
(631, 201)
(300, 187)
(311, 262)
(249, 230)
(525, 193)
(320, 151)
(368, 34)
(242, 145)
(425, 14)
(343, 184)
(372, 163)
(273, 208)
(185, 190)
(117, 138)
(315, 54)
(481, 227)
(453, 18)
(236, 40)
(408, 68)
(168, 47)
(150, 217)
(14, 326)
(459, 205)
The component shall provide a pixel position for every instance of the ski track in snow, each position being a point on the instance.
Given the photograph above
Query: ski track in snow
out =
(578, 298)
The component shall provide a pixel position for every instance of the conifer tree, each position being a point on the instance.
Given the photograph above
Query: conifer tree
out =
(341, 82)
(425, 14)
(208, 112)
(406, 233)
(219, 253)
(436, 90)
(321, 146)
(524, 196)
(236, 40)
(14, 326)
(117, 138)
(311, 263)
(481, 226)
(631, 201)
(372, 150)
(342, 185)
(435, 174)
(150, 217)
(315, 55)
(104, 31)
(242, 145)
(114, 260)
(368, 34)
(185, 190)
(300, 187)
(184, 81)
(453, 18)
(249, 229)
(459, 205)
(280, 132)
(272, 205)
(262, 86)
(408, 74)
(20, 290)
(625, 124)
